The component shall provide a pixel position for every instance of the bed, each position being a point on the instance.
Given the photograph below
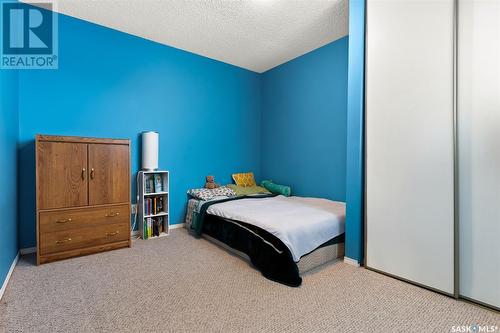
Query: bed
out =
(283, 237)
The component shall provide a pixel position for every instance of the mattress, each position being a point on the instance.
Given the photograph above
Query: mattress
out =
(328, 252)
(302, 224)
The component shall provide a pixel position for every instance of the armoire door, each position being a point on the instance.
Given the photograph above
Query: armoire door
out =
(108, 174)
(62, 174)
(409, 141)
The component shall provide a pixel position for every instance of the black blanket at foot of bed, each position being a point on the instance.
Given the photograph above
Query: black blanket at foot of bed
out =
(267, 253)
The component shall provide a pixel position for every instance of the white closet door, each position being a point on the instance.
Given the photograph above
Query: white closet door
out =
(409, 141)
(479, 149)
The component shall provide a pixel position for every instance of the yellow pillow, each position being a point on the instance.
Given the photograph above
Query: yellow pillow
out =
(244, 179)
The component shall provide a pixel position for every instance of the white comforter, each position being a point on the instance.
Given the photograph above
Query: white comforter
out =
(302, 224)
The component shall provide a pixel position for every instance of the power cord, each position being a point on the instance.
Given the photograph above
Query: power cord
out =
(136, 202)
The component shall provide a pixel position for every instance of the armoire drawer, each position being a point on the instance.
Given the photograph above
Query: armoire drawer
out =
(71, 219)
(85, 237)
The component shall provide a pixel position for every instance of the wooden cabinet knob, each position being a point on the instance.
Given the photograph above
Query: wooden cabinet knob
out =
(92, 173)
(83, 173)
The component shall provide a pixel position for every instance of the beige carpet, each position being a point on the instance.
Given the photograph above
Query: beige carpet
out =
(182, 284)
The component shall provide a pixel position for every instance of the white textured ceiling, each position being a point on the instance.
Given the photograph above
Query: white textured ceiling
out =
(253, 34)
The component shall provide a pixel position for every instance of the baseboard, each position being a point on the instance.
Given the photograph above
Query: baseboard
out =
(27, 250)
(7, 278)
(172, 226)
(351, 262)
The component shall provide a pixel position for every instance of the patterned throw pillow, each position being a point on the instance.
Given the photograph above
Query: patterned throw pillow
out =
(244, 179)
(207, 194)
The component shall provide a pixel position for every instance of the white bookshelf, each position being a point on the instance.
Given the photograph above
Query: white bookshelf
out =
(147, 197)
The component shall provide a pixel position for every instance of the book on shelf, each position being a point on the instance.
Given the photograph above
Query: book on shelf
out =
(154, 205)
(153, 227)
(145, 229)
(158, 182)
(161, 224)
(149, 184)
(159, 204)
(156, 227)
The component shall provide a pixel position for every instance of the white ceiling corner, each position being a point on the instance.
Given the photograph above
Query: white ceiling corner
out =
(253, 34)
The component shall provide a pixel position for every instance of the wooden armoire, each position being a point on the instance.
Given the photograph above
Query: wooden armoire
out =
(82, 196)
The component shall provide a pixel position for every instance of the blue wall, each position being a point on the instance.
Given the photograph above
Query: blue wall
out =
(304, 114)
(111, 84)
(288, 124)
(355, 121)
(8, 165)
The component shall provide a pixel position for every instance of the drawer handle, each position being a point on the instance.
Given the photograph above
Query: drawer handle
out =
(63, 241)
(113, 233)
(92, 171)
(113, 214)
(63, 220)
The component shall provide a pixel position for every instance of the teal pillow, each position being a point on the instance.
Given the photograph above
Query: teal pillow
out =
(276, 188)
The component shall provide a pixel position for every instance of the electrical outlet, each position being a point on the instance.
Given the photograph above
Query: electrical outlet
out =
(134, 208)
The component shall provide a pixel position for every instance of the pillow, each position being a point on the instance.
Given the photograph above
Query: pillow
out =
(244, 179)
(247, 190)
(277, 189)
(208, 194)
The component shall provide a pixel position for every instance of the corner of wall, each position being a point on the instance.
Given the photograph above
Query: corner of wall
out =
(261, 124)
(9, 132)
(355, 133)
(18, 121)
